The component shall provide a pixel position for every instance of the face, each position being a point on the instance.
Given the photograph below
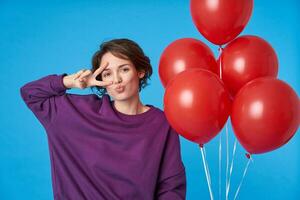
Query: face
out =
(124, 75)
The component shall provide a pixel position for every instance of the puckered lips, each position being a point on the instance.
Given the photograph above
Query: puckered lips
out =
(119, 88)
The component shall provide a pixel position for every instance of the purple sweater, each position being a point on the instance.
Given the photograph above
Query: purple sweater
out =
(99, 153)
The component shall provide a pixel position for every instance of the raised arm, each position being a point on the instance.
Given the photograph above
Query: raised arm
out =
(42, 96)
(172, 178)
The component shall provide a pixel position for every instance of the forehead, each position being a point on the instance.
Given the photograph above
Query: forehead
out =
(114, 61)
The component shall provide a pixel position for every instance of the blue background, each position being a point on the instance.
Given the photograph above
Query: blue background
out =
(40, 38)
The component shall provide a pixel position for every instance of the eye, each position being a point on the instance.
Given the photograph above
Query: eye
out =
(107, 74)
(125, 69)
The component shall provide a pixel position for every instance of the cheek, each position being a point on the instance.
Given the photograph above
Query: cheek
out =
(133, 86)
(132, 80)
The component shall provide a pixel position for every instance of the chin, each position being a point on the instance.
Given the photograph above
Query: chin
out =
(119, 96)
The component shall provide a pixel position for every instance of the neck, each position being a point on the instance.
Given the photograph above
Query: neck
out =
(130, 106)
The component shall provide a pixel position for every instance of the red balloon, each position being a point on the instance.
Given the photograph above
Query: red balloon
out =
(265, 115)
(183, 54)
(220, 21)
(197, 105)
(247, 58)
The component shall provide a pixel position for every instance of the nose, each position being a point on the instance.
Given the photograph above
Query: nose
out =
(117, 79)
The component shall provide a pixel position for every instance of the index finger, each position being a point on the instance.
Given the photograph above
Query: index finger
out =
(101, 68)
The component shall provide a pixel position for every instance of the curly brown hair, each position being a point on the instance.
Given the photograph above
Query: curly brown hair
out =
(125, 49)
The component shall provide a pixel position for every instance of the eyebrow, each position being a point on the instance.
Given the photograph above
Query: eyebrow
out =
(118, 66)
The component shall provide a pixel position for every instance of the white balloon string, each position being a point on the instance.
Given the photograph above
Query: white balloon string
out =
(227, 158)
(220, 166)
(243, 177)
(206, 172)
(231, 167)
(220, 142)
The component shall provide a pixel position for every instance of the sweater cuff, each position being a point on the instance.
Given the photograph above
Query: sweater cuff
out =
(57, 83)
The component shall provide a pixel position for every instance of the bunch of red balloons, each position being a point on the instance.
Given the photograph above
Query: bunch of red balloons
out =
(202, 92)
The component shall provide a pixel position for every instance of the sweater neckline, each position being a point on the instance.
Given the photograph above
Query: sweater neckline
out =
(139, 116)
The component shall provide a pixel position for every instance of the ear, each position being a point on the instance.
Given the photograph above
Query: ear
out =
(141, 74)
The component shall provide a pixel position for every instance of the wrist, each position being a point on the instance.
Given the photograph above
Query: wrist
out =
(68, 81)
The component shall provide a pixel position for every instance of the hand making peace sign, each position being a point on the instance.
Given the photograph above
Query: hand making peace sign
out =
(85, 78)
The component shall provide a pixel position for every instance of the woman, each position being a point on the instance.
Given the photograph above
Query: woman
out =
(102, 148)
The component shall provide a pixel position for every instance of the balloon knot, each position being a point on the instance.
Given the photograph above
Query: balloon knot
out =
(201, 145)
(248, 155)
(220, 48)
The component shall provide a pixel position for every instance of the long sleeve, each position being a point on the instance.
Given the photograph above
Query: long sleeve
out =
(172, 179)
(41, 96)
